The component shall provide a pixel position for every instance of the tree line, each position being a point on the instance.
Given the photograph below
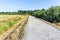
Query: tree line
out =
(52, 14)
(13, 13)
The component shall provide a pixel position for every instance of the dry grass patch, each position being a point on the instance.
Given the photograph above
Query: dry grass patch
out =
(7, 21)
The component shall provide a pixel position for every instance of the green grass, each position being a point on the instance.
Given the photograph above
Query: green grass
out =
(5, 25)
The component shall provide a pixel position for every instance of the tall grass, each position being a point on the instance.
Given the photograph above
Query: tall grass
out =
(5, 25)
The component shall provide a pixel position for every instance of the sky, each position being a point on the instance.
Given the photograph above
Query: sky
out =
(15, 5)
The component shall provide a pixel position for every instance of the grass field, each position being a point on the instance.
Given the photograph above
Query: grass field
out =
(7, 21)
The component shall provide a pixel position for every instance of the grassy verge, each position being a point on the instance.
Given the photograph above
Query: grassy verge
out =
(58, 23)
(8, 21)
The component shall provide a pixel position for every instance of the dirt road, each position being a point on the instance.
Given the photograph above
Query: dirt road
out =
(36, 29)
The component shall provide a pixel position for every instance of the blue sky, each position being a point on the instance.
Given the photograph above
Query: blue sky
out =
(14, 5)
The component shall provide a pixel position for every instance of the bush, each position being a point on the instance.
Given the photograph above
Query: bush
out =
(51, 15)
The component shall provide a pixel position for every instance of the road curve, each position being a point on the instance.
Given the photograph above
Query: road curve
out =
(36, 29)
